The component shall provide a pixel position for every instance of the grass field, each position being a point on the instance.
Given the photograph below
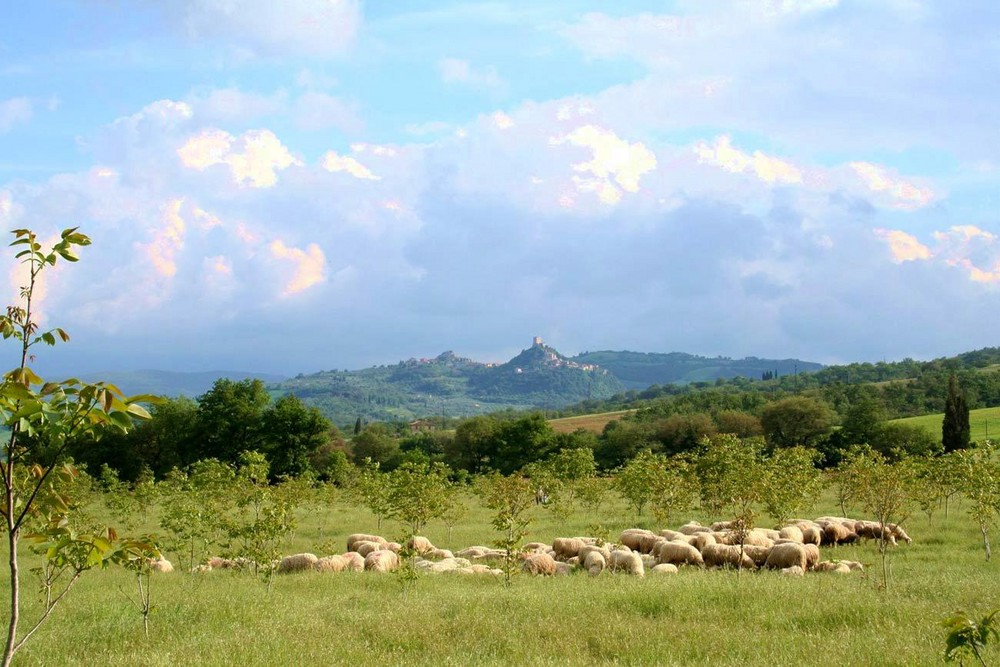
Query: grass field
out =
(695, 617)
(594, 423)
(983, 423)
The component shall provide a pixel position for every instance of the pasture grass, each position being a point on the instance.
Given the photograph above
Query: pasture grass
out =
(594, 422)
(693, 618)
(984, 423)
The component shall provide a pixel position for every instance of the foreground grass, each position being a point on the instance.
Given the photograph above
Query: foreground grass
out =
(692, 618)
(984, 423)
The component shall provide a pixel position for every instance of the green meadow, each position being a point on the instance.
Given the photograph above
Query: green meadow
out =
(695, 617)
(984, 423)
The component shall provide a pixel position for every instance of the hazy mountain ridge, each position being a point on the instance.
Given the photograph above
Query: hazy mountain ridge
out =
(639, 370)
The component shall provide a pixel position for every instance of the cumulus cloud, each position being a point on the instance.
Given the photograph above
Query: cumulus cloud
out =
(902, 194)
(310, 265)
(903, 247)
(615, 162)
(766, 168)
(318, 28)
(167, 241)
(253, 158)
(232, 104)
(334, 163)
(966, 247)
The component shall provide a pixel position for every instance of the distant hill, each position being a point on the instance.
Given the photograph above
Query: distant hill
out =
(170, 383)
(452, 386)
(639, 370)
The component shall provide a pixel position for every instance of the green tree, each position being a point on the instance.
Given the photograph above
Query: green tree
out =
(291, 432)
(511, 498)
(194, 504)
(883, 490)
(376, 443)
(474, 446)
(371, 489)
(417, 494)
(955, 431)
(798, 420)
(637, 481)
(683, 432)
(43, 419)
(792, 482)
(230, 419)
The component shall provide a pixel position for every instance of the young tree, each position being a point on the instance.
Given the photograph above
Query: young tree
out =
(418, 493)
(639, 478)
(798, 420)
(981, 477)
(43, 419)
(511, 498)
(884, 491)
(674, 491)
(371, 489)
(195, 503)
(792, 483)
(955, 431)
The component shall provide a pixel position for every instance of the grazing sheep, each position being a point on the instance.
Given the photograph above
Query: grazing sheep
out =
(723, 526)
(604, 551)
(420, 545)
(446, 565)
(692, 527)
(563, 569)
(297, 563)
(473, 552)
(382, 561)
(567, 547)
(670, 534)
(833, 566)
(793, 533)
(679, 553)
(757, 553)
(595, 563)
(364, 548)
(161, 564)
(536, 546)
(812, 535)
(836, 533)
(701, 539)
(219, 563)
(899, 533)
(727, 555)
(664, 568)
(361, 537)
(786, 555)
(438, 554)
(539, 564)
(793, 571)
(812, 555)
(633, 537)
(331, 564)
(353, 561)
(628, 562)
(648, 561)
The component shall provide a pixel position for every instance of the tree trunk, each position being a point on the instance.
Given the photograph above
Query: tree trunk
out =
(15, 586)
(986, 542)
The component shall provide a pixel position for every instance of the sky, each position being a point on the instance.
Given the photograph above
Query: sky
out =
(333, 184)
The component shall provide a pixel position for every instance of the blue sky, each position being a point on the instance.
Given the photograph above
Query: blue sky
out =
(315, 184)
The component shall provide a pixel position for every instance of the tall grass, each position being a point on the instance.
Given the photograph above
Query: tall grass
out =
(693, 618)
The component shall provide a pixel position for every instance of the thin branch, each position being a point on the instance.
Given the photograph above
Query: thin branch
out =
(48, 611)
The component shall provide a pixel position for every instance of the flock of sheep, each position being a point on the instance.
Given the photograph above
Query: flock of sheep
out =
(792, 549)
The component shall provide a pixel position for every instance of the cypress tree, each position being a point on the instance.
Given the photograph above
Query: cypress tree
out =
(955, 431)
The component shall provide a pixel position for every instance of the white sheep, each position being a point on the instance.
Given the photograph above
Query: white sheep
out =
(297, 563)
(629, 562)
(382, 561)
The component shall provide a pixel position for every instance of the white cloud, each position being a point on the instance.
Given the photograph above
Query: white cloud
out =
(310, 265)
(904, 247)
(253, 159)
(334, 163)
(456, 71)
(766, 168)
(902, 194)
(615, 162)
(167, 241)
(318, 28)
(13, 112)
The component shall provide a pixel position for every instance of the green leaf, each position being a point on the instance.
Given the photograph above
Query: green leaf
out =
(138, 411)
